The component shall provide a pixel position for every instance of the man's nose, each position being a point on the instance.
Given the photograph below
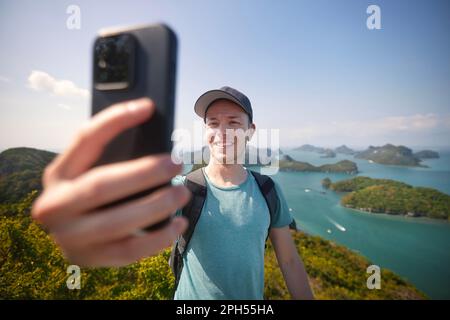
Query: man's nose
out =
(222, 130)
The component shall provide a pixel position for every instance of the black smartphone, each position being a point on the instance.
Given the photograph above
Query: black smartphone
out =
(130, 63)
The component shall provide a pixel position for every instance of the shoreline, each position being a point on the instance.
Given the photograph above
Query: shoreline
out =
(400, 217)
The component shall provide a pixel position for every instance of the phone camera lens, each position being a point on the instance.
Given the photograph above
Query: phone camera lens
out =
(113, 61)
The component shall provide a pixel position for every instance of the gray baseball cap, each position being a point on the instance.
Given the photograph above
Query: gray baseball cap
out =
(206, 99)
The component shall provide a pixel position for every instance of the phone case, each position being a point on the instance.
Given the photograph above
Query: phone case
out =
(155, 53)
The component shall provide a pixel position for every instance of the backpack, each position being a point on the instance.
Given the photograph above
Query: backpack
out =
(196, 183)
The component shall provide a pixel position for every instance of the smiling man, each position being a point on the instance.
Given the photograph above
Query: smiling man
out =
(232, 212)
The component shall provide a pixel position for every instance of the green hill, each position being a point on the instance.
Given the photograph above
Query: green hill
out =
(392, 197)
(20, 172)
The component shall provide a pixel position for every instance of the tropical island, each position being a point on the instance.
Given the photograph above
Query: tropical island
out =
(310, 148)
(344, 150)
(391, 155)
(33, 267)
(427, 154)
(328, 153)
(253, 156)
(287, 163)
(391, 197)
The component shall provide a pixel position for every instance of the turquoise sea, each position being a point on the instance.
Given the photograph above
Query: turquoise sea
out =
(417, 249)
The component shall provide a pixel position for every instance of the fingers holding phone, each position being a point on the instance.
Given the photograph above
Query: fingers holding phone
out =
(92, 138)
(73, 192)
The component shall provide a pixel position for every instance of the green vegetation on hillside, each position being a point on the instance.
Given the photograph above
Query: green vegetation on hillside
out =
(335, 272)
(392, 197)
(32, 267)
(20, 172)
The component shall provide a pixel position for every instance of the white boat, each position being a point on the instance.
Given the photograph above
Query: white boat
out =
(337, 225)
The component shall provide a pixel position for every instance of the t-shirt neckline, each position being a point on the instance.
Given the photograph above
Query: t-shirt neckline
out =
(230, 187)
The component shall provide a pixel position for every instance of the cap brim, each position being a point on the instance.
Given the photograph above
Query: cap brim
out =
(204, 101)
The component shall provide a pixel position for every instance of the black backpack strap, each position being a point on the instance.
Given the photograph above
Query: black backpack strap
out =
(267, 187)
(196, 183)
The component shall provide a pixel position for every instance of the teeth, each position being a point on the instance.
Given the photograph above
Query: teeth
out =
(223, 144)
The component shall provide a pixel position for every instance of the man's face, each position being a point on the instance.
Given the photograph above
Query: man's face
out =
(227, 127)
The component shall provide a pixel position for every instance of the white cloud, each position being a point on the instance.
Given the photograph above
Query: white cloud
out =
(42, 81)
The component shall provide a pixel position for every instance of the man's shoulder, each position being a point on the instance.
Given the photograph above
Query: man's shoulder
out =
(255, 175)
(181, 178)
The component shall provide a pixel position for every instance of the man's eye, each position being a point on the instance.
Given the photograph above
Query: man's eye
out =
(235, 122)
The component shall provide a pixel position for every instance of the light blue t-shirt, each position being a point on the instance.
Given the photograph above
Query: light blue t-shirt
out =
(225, 256)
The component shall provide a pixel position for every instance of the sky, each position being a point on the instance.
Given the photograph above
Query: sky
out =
(312, 69)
